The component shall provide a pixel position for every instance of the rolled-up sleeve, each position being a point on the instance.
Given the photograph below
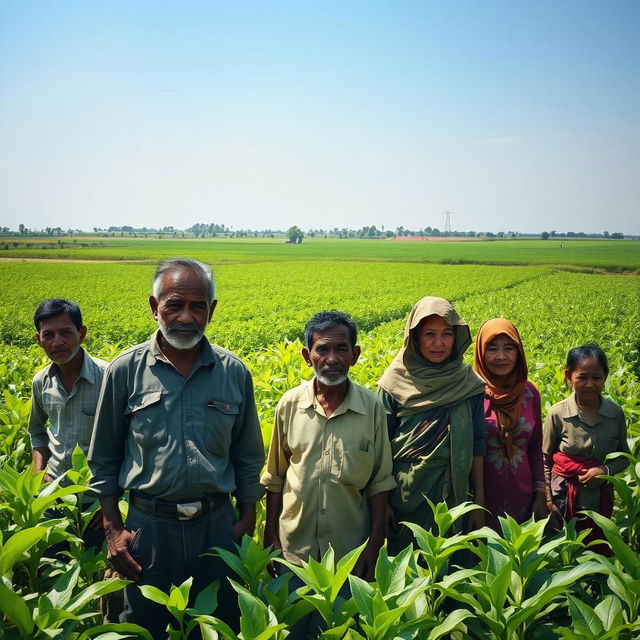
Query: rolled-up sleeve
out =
(247, 450)
(382, 477)
(277, 460)
(37, 419)
(107, 449)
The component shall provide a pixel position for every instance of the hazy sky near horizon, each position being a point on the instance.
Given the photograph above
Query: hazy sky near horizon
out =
(519, 116)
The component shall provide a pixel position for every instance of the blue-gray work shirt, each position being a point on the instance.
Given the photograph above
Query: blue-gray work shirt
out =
(69, 414)
(173, 437)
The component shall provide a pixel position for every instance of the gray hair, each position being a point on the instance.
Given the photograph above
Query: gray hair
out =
(177, 264)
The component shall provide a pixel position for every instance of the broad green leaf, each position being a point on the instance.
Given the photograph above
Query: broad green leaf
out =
(153, 593)
(63, 588)
(610, 612)
(16, 610)
(584, 619)
(450, 623)
(206, 601)
(122, 630)
(17, 544)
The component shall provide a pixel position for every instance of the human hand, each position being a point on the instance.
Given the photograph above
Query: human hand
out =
(539, 508)
(555, 517)
(47, 478)
(365, 567)
(245, 524)
(272, 540)
(390, 522)
(118, 544)
(96, 520)
(590, 480)
(477, 519)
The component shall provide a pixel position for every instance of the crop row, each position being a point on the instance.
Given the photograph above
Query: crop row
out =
(259, 304)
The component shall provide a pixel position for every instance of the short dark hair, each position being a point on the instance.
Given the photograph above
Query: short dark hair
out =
(590, 351)
(176, 264)
(325, 320)
(54, 307)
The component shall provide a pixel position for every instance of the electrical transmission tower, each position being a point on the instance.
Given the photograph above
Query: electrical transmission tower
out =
(447, 222)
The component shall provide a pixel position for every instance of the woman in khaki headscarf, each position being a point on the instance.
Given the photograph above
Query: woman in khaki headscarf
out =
(513, 469)
(434, 408)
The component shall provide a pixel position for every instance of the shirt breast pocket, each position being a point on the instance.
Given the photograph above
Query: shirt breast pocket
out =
(357, 465)
(221, 417)
(148, 423)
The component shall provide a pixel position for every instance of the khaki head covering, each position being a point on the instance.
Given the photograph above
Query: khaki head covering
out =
(419, 385)
(504, 394)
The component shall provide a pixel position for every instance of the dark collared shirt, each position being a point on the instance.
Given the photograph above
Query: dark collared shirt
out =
(69, 414)
(173, 437)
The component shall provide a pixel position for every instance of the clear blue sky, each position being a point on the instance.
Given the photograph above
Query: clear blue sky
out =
(517, 116)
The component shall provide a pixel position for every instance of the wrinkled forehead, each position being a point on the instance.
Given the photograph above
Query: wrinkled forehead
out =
(338, 333)
(183, 281)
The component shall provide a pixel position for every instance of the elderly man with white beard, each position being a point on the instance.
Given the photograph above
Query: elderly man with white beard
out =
(329, 464)
(176, 427)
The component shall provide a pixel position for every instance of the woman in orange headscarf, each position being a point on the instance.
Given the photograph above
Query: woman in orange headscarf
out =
(513, 469)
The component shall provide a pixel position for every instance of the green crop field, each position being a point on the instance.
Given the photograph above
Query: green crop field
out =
(524, 586)
(586, 254)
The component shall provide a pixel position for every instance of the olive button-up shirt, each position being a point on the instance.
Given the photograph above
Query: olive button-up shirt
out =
(173, 437)
(326, 468)
(565, 430)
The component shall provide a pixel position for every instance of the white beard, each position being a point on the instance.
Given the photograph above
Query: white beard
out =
(330, 382)
(178, 340)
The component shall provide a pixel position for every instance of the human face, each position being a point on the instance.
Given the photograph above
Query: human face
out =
(331, 355)
(435, 339)
(501, 356)
(183, 310)
(587, 379)
(60, 338)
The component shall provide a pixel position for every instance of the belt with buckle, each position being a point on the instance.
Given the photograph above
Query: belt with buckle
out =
(180, 510)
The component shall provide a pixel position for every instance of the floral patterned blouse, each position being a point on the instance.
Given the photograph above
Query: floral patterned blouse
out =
(510, 484)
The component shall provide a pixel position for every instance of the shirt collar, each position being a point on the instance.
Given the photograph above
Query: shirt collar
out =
(572, 409)
(571, 406)
(87, 371)
(206, 358)
(352, 402)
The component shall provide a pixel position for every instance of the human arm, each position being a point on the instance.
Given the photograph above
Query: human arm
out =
(246, 454)
(477, 516)
(619, 463)
(38, 435)
(366, 564)
(390, 407)
(539, 507)
(273, 480)
(271, 526)
(118, 539)
(476, 477)
(550, 444)
(40, 456)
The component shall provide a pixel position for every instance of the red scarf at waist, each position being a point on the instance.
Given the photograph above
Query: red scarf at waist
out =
(570, 467)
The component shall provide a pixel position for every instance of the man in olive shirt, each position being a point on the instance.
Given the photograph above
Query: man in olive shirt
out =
(329, 466)
(176, 426)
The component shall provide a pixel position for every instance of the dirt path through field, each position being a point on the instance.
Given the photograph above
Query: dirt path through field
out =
(17, 259)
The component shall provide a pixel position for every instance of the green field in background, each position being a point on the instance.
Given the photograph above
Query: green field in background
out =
(622, 255)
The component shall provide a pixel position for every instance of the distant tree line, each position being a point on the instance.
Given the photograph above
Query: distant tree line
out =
(295, 235)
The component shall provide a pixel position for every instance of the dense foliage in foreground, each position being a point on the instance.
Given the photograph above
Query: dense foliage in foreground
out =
(525, 585)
